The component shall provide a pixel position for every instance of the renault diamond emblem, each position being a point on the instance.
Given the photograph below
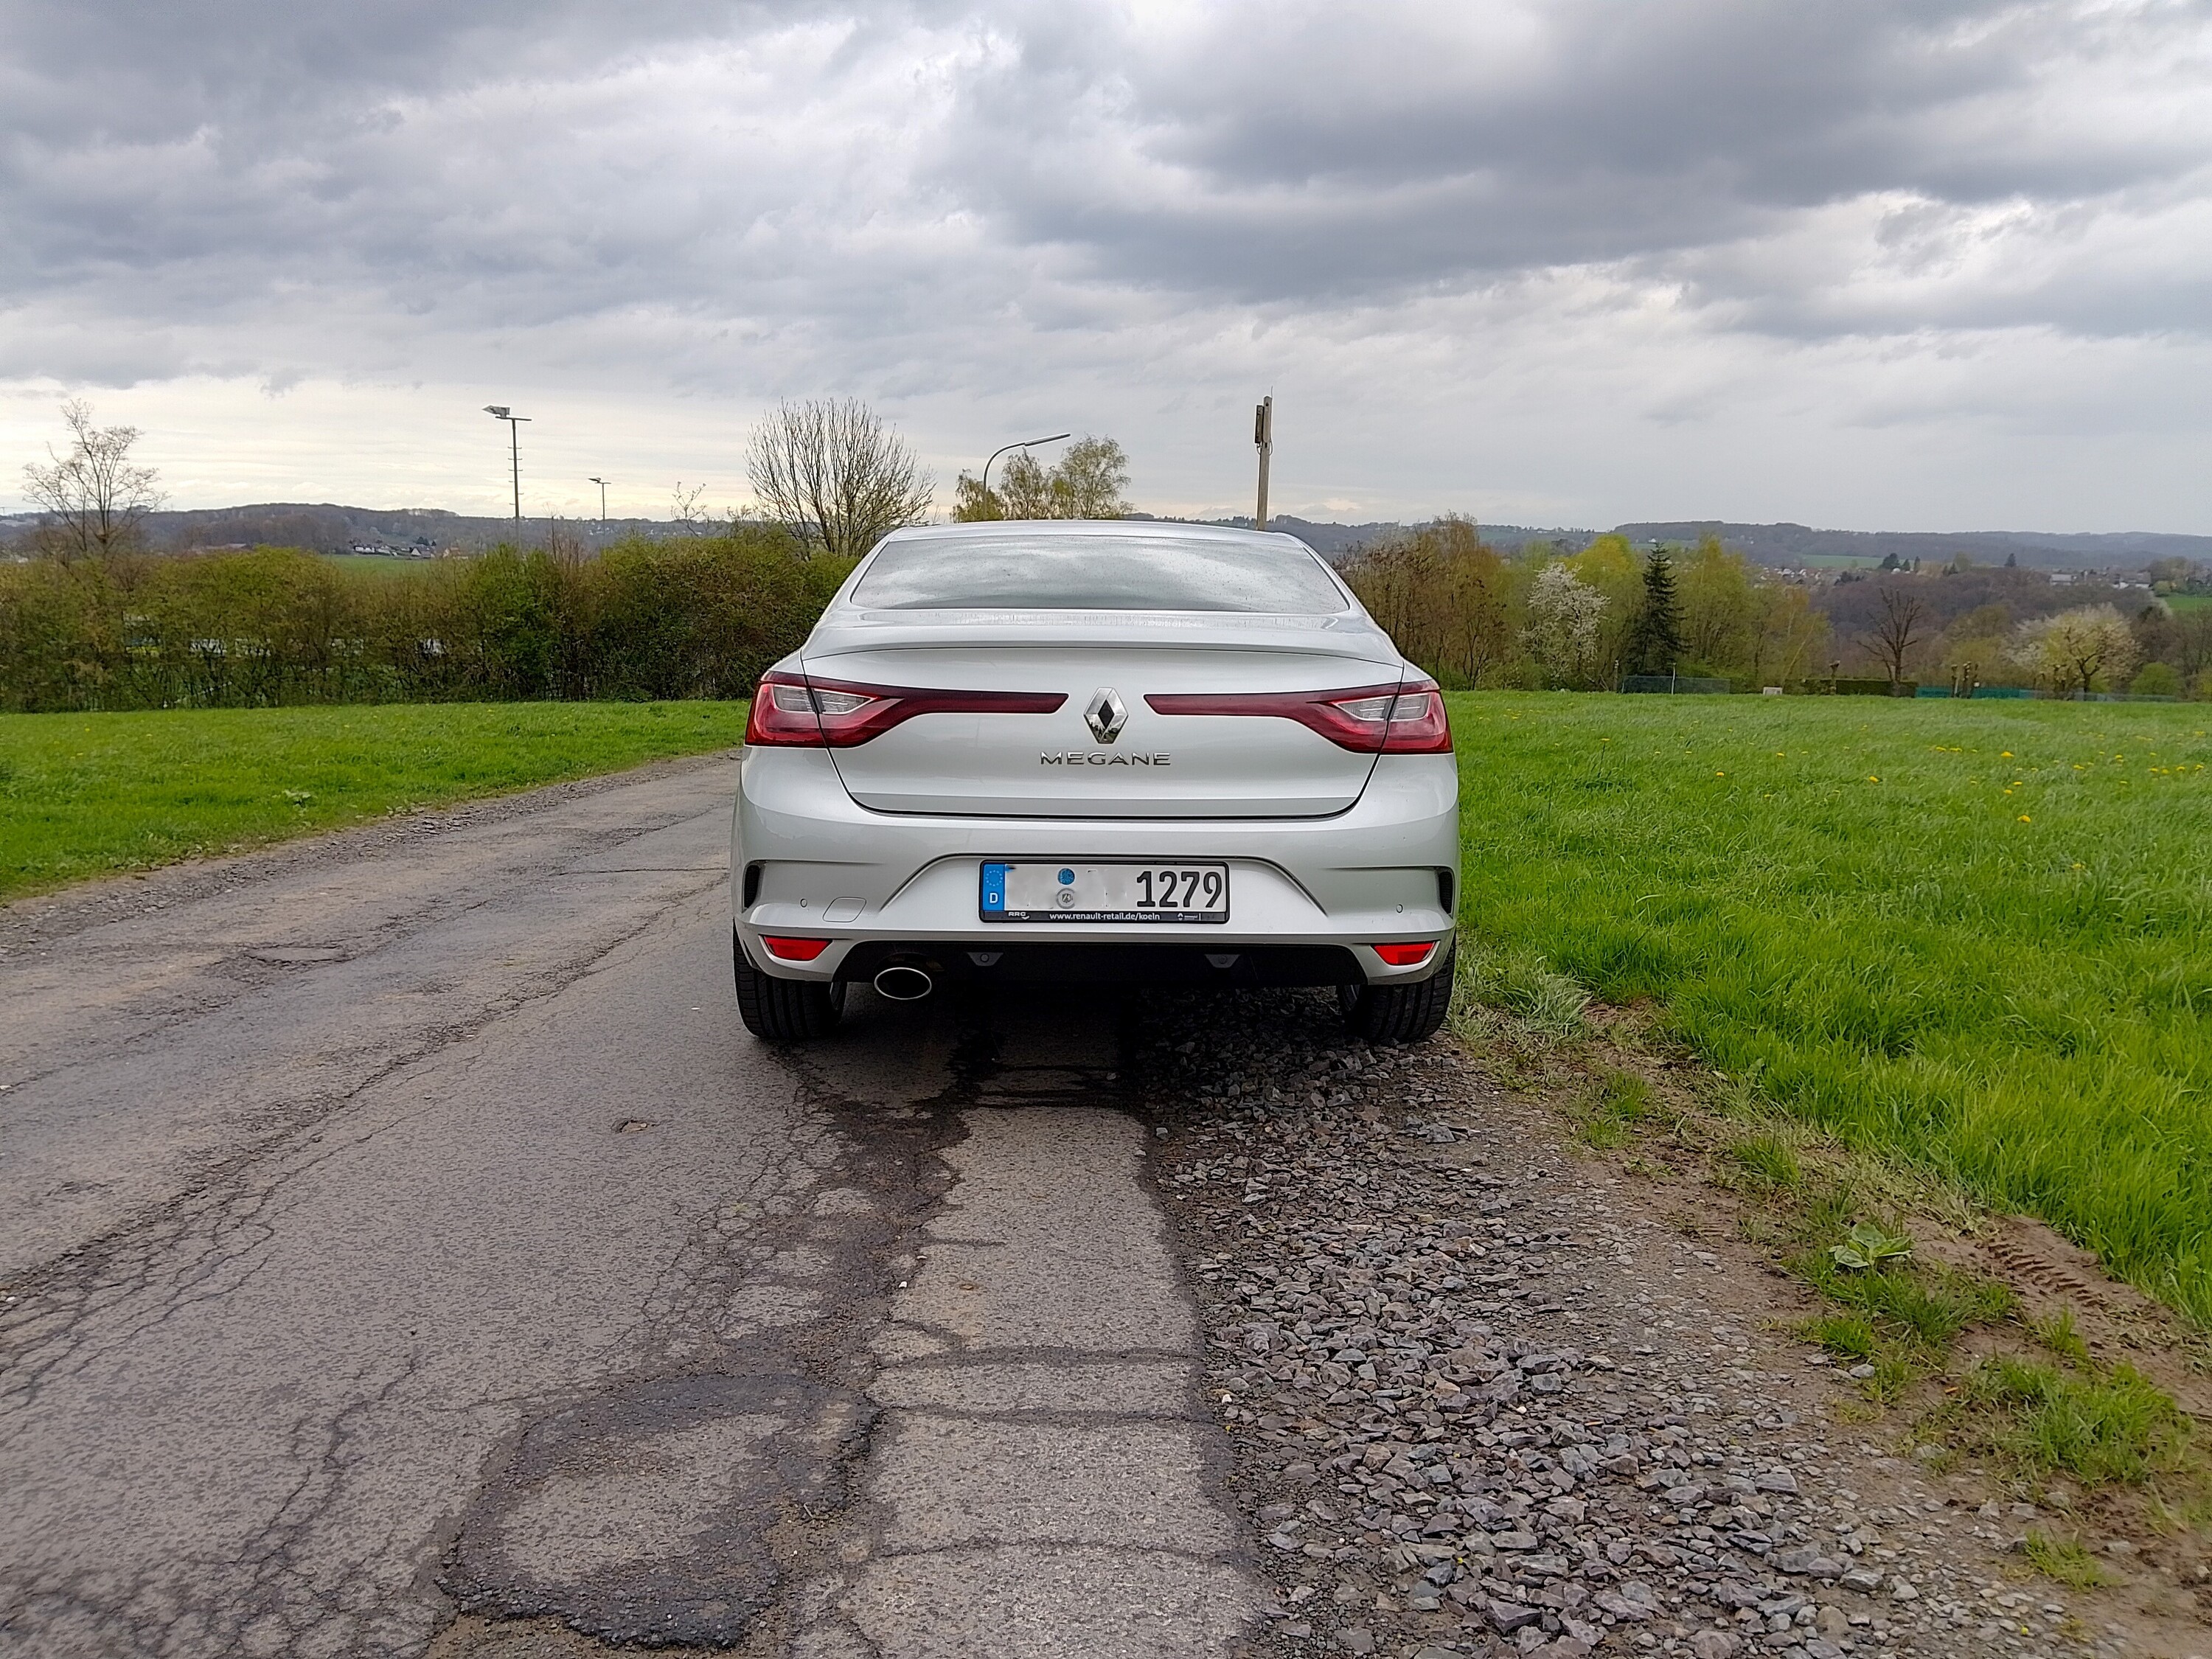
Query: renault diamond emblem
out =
(1106, 715)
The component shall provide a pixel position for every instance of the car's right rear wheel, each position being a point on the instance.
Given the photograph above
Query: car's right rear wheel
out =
(1400, 1013)
(783, 1009)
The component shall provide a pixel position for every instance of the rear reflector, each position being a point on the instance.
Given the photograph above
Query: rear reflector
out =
(1406, 718)
(793, 711)
(806, 950)
(1406, 955)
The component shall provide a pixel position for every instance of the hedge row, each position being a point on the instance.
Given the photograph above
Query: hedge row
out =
(695, 617)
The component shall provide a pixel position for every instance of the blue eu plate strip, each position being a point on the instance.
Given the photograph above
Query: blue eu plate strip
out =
(994, 887)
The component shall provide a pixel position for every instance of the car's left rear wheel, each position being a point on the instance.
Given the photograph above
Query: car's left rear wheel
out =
(1401, 1013)
(783, 1009)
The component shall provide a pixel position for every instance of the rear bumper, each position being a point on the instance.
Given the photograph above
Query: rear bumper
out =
(1076, 963)
(1309, 896)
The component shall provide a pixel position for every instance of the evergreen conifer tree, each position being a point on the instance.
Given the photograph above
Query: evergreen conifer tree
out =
(1655, 639)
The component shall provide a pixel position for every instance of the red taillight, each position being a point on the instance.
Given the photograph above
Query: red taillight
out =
(792, 709)
(794, 949)
(1369, 719)
(1404, 956)
(783, 714)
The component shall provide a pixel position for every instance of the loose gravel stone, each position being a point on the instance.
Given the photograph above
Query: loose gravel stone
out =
(1485, 1400)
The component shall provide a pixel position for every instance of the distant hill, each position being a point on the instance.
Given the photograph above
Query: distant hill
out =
(326, 527)
(1796, 545)
(1333, 541)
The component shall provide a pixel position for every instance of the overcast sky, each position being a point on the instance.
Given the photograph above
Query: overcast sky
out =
(1854, 262)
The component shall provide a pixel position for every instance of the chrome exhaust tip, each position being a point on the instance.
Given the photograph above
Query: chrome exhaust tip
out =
(900, 983)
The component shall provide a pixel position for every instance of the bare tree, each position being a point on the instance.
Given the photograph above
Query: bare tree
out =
(690, 516)
(1896, 631)
(837, 475)
(95, 498)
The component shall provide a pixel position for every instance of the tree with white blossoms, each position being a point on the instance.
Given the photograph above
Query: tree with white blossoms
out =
(2076, 648)
(1564, 614)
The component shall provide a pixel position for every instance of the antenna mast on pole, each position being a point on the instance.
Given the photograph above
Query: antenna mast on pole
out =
(1263, 436)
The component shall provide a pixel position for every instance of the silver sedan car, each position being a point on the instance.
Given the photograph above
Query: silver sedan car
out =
(1097, 752)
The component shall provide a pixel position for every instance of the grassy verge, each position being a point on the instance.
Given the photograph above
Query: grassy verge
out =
(1962, 1370)
(84, 795)
(1975, 938)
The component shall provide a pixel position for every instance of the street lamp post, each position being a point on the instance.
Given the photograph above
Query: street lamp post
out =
(501, 412)
(1026, 443)
(602, 483)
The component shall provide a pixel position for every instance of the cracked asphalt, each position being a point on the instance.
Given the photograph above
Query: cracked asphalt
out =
(404, 1249)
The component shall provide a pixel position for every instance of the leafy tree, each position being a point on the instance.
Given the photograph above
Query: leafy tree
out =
(1609, 564)
(95, 496)
(1444, 596)
(1719, 608)
(1565, 616)
(2156, 679)
(835, 475)
(973, 504)
(1086, 483)
(1787, 632)
(2077, 649)
(1654, 641)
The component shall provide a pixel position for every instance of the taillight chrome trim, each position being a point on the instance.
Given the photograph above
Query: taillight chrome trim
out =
(1416, 723)
(877, 710)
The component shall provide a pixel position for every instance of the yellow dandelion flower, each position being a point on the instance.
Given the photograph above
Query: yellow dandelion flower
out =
(2007, 754)
(1872, 779)
(2024, 819)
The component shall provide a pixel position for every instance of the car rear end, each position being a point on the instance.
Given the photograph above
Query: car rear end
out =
(1095, 753)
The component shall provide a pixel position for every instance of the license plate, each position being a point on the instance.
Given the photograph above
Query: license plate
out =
(1105, 892)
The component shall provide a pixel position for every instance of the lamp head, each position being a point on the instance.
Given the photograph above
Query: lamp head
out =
(498, 410)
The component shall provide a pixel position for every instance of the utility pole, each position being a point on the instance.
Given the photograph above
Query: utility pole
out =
(602, 483)
(1263, 436)
(501, 412)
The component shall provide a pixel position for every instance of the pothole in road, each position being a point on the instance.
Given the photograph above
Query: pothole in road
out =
(643, 1517)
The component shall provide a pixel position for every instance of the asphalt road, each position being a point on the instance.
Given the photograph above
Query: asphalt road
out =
(405, 1250)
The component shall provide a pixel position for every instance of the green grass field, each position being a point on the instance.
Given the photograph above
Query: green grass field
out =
(2182, 604)
(1979, 935)
(85, 795)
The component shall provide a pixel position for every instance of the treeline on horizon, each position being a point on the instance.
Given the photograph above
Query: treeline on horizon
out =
(1544, 615)
(691, 617)
(704, 614)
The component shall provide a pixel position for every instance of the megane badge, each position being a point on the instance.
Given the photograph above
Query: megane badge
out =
(1106, 715)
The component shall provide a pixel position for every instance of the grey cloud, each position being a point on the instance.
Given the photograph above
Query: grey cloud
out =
(1350, 156)
(767, 195)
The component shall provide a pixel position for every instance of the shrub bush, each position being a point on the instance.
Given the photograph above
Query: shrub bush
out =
(695, 617)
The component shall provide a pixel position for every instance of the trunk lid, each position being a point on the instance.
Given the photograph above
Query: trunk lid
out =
(1154, 765)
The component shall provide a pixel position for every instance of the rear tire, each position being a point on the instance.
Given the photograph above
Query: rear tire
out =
(1400, 1013)
(783, 1009)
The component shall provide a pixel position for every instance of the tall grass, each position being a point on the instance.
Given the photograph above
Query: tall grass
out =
(1976, 935)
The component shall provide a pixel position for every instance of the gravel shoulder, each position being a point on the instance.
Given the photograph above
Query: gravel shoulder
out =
(1491, 1392)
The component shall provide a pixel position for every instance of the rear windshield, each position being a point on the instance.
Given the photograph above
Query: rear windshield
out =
(1097, 573)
